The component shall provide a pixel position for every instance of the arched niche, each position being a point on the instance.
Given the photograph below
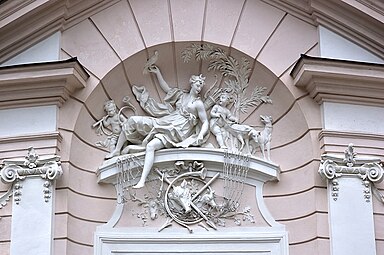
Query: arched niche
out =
(290, 123)
(123, 234)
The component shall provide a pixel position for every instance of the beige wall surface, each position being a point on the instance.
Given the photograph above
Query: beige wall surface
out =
(113, 44)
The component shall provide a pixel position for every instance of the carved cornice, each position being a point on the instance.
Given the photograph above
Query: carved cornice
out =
(350, 135)
(32, 138)
(24, 23)
(340, 80)
(40, 84)
(46, 143)
(360, 21)
(213, 159)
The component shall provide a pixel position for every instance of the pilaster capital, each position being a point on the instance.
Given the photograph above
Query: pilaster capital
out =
(14, 171)
(48, 168)
(367, 168)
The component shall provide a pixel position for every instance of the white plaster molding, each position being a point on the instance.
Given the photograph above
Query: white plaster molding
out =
(14, 171)
(259, 170)
(40, 84)
(273, 241)
(340, 81)
(367, 168)
(258, 173)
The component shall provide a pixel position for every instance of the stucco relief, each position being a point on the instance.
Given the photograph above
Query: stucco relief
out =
(369, 169)
(181, 120)
(14, 171)
(186, 114)
(185, 195)
(185, 119)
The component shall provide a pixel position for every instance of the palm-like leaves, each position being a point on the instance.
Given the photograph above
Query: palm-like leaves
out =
(256, 99)
(237, 73)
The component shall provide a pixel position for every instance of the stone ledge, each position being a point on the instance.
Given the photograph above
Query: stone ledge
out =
(44, 143)
(271, 240)
(213, 160)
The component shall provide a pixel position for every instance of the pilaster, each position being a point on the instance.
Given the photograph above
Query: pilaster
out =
(350, 95)
(350, 186)
(32, 190)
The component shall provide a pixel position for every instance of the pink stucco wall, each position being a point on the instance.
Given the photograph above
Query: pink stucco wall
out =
(113, 45)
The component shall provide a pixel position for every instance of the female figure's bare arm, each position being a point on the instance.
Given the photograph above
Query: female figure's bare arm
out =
(163, 84)
(204, 120)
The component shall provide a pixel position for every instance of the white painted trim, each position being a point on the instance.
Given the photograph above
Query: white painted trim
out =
(273, 241)
(263, 208)
(213, 159)
(340, 81)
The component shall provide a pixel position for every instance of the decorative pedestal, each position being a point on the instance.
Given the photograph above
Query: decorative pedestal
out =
(132, 228)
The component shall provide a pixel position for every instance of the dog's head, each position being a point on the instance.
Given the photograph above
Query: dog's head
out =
(266, 119)
(253, 134)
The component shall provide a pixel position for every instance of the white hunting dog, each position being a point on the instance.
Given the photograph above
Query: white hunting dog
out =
(263, 139)
(251, 138)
